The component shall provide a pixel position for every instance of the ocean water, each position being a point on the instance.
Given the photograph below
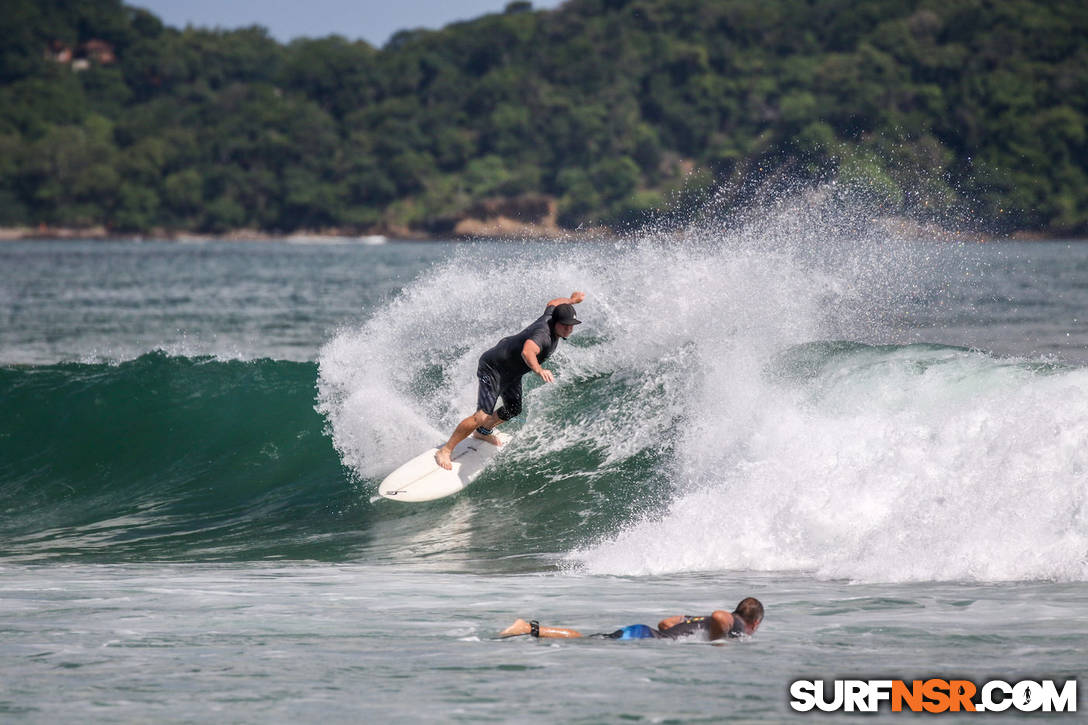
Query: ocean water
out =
(882, 438)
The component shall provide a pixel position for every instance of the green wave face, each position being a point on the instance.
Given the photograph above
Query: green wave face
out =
(172, 458)
(162, 456)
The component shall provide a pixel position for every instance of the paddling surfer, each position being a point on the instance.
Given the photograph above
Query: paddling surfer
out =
(501, 368)
(741, 622)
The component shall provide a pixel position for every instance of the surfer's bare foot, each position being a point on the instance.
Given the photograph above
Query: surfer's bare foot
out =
(442, 458)
(519, 626)
(492, 439)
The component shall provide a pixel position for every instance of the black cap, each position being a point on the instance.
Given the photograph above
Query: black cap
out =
(565, 315)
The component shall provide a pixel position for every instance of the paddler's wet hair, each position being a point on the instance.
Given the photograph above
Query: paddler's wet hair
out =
(750, 610)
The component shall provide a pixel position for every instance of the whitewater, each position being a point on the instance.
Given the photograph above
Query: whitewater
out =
(878, 433)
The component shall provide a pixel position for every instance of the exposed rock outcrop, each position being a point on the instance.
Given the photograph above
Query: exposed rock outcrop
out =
(528, 215)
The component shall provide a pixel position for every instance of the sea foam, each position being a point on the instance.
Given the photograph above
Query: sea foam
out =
(910, 463)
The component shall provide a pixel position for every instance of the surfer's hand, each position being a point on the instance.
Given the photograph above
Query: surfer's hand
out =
(576, 297)
(546, 376)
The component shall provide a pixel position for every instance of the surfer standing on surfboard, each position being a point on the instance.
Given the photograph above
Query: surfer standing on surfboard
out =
(501, 368)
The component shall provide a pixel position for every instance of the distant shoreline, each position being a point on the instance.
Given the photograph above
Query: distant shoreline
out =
(517, 232)
(482, 230)
(101, 233)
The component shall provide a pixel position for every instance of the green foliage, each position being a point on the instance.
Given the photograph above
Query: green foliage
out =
(137, 208)
(616, 108)
(867, 175)
(223, 214)
(31, 105)
(183, 194)
(336, 74)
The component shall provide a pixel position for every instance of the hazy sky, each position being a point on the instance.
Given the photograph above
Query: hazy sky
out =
(371, 20)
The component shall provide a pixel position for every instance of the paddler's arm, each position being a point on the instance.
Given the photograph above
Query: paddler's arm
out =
(670, 622)
(721, 622)
(520, 627)
(575, 298)
(529, 351)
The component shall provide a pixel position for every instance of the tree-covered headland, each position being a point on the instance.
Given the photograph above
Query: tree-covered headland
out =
(599, 111)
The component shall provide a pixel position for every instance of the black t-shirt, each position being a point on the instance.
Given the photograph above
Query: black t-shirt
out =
(505, 358)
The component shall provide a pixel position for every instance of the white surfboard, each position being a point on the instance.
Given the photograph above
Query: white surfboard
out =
(421, 479)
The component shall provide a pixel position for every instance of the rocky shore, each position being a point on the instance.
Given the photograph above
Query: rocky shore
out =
(526, 217)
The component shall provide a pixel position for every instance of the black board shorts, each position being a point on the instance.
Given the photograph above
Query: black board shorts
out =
(492, 388)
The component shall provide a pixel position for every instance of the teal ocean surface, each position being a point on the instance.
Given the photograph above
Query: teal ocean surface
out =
(883, 439)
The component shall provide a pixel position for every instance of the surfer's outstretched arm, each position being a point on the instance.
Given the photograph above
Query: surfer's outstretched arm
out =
(520, 626)
(575, 298)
